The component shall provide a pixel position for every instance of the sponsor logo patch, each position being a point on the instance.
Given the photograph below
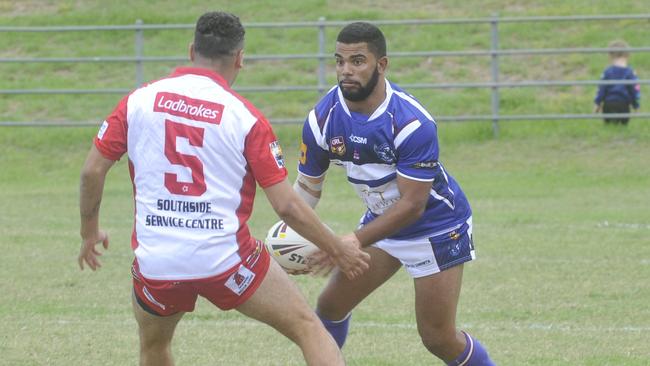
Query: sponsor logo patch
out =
(425, 165)
(337, 145)
(358, 139)
(276, 151)
(183, 106)
(419, 264)
(239, 281)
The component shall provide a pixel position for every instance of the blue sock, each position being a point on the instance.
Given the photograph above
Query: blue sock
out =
(473, 355)
(337, 328)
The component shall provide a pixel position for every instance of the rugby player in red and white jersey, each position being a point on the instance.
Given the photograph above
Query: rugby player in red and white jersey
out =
(196, 150)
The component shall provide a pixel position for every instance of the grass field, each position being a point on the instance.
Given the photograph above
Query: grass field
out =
(562, 225)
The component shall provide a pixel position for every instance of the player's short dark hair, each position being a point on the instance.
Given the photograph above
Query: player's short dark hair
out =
(359, 32)
(218, 34)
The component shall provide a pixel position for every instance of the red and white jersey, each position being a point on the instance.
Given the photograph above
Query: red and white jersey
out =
(196, 149)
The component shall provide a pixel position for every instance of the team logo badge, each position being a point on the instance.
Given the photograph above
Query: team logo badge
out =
(337, 145)
(454, 250)
(384, 153)
(276, 151)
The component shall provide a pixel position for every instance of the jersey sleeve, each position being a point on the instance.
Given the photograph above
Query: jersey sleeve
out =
(111, 138)
(264, 154)
(314, 159)
(600, 92)
(418, 152)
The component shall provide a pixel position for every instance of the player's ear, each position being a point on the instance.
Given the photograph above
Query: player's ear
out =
(239, 59)
(382, 64)
(191, 51)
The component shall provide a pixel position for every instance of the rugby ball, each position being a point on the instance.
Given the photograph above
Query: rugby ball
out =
(288, 248)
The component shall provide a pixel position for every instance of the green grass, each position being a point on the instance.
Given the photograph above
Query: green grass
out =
(561, 228)
(561, 215)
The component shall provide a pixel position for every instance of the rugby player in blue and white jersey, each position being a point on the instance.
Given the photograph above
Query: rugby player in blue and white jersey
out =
(417, 215)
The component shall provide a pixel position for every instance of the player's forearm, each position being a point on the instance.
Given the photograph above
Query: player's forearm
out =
(306, 223)
(90, 193)
(294, 211)
(309, 189)
(402, 214)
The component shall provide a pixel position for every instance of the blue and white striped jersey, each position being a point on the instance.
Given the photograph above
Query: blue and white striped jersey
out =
(400, 137)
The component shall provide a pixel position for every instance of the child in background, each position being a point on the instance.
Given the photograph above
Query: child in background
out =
(617, 98)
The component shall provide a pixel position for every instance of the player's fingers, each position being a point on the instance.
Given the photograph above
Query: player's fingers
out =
(322, 269)
(327, 269)
(105, 241)
(80, 261)
(296, 272)
(95, 251)
(351, 275)
(94, 263)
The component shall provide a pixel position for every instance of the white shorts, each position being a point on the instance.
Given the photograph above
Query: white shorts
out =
(433, 253)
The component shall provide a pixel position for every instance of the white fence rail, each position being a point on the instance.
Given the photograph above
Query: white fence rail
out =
(494, 53)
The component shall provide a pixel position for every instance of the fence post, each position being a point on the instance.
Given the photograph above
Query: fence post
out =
(495, 73)
(321, 57)
(139, 53)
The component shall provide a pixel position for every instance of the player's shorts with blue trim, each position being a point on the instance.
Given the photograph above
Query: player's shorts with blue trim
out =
(434, 253)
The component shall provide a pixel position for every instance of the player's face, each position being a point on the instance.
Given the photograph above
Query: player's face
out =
(357, 70)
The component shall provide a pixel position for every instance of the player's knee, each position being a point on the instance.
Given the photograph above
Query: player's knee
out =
(154, 346)
(154, 341)
(304, 327)
(437, 341)
(329, 309)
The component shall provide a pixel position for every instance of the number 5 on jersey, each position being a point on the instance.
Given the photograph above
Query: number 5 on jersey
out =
(194, 135)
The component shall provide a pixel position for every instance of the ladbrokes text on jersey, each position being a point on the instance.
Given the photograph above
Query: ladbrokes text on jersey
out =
(182, 106)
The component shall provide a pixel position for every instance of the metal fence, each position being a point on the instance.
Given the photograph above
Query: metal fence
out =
(494, 53)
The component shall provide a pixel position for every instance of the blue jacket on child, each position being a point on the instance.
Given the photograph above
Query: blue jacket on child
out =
(629, 93)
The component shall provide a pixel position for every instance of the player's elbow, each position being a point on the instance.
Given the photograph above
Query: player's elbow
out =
(90, 173)
(414, 210)
(288, 210)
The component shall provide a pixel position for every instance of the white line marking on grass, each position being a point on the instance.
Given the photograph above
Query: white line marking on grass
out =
(623, 225)
(568, 328)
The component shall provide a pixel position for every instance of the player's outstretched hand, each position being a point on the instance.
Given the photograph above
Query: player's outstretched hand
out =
(88, 253)
(320, 263)
(349, 257)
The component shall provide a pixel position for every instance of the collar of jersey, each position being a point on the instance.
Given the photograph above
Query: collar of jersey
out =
(185, 70)
(379, 111)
